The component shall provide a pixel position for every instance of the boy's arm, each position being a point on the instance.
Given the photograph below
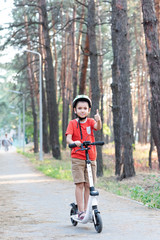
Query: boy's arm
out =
(98, 124)
(69, 140)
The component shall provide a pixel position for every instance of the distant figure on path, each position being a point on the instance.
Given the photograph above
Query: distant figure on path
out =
(6, 142)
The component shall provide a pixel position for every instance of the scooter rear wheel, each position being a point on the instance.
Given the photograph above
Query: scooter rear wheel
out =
(98, 222)
(73, 212)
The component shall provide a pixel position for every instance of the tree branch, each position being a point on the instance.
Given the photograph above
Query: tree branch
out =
(81, 3)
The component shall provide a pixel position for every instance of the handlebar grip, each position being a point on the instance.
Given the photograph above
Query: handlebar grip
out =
(72, 145)
(98, 143)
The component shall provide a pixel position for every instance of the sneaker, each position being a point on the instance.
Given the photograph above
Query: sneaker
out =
(81, 215)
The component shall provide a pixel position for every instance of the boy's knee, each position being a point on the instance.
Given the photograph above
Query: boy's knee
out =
(80, 185)
(86, 185)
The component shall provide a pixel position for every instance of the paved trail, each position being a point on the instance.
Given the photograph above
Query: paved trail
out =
(35, 207)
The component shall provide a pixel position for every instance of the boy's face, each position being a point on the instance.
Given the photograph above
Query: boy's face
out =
(82, 109)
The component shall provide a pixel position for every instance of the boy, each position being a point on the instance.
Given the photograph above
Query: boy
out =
(78, 131)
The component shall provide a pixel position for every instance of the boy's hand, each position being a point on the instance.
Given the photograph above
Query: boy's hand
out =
(78, 143)
(98, 124)
(97, 116)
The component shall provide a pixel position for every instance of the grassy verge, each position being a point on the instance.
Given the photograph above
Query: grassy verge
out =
(144, 187)
(58, 169)
(149, 195)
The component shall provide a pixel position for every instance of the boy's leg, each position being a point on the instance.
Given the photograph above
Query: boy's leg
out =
(86, 195)
(79, 196)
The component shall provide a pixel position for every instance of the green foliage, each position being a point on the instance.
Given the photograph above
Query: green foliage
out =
(149, 196)
(148, 192)
(31, 156)
(54, 171)
(114, 187)
(29, 125)
(8, 116)
(106, 129)
(52, 168)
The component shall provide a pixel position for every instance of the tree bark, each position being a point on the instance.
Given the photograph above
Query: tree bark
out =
(94, 77)
(65, 79)
(154, 131)
(122, 108)
(32, 90)
(157, 9)
(153, 57)
(46, 147)
(100, 67)
(50, 87)
(74, 54)
(82, 82)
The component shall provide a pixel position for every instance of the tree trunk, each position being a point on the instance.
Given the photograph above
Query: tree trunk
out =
(82, 84)
(55, 50)
(153, 57)
(157, 9)
(64, 81)
(74, 54)
(50, 87)
(154, 131)
(46, 147)
(94, 77)
(100, 66)
(116, 95)
(31, 84)
(122, 108)
(150, 151)
(79, 41)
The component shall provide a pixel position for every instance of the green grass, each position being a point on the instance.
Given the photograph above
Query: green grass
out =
(148, 192)
(58, 169)
(150, 195)
(31, 156)
(114, 187)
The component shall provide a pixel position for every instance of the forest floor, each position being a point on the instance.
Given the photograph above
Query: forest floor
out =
(36, 207)
(145, 183)
(142, 171)
(144, 186)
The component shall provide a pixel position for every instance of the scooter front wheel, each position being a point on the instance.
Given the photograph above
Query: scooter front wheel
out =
(73, 212)
(98, 222)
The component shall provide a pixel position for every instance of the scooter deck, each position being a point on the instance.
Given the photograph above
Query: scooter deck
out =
(75, 218)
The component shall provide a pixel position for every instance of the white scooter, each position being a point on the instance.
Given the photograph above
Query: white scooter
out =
(92, 214)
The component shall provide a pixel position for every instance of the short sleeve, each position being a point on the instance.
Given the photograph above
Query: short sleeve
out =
(69, 129)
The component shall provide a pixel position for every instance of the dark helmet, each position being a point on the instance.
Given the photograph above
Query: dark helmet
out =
(83, 98)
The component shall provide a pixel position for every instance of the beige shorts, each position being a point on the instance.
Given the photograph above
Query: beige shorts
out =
(79, 170)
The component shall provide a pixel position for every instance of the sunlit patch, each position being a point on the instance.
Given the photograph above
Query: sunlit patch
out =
(20, 176)
(23, 178)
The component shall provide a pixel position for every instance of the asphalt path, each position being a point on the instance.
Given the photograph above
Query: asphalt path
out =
(36, 207)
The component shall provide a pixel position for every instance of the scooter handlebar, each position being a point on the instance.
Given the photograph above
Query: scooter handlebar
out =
(72, 145)
(100, 143)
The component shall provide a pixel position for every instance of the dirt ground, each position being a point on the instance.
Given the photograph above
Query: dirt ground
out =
(36, 207)
(145, 177)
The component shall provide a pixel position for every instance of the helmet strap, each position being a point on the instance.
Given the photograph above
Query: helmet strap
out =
(80, 128)
(78, 124)
(82, 118)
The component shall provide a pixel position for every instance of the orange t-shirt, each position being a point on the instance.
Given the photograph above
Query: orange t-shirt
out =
(87, 128)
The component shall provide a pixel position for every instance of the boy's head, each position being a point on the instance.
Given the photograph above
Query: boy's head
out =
(82, 98)
(82, 105)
